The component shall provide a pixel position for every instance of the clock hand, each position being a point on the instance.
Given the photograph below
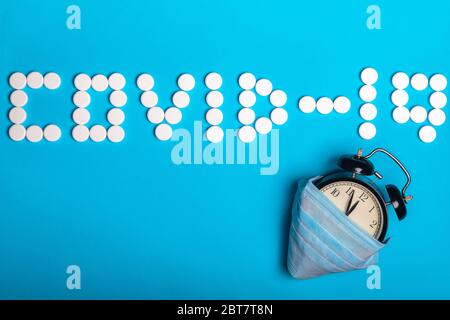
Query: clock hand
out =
(349, 202)
(352, 208)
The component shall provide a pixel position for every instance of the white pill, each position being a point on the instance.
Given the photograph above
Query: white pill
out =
(324, 105)
(82, 82)
(215, 117)
(264, 87)
(427, 134)
(118, 98)
(368, 112)
(247, 98)
(173, 115)
(401, 115)
(400, 98)
(213, 81)
(100, 83)
(34, 134)
(52, 133)
(163, 132)
(369, 76)
(400, 80)
(246, 116)
(81, 116)
(181, 99)
(436, 117)
(115, 116)
(81, 99)
(52, 81)
(214, 134)
(18, 98)
(263, 125)
(367, 93)
(18, 81)
(214, 99)
(438, 82)
(117, 81)
(307, 104)
(155, 115)
(247, 134)
(97, 133)
(17, 132)
(17, 115)
(419, 81)
(186, 82)
(278, 98)
(35, 80)
(367, 131)
(418, 114)
(342, 104)
(247, 81)
(149, 99)
(279, 116)
(145, 82)
(438, 100)
(116, 134)
(80, 133)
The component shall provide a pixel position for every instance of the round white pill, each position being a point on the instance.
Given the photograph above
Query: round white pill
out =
(418, 114)
(118, 98)
(367, 131)
(163, 132)
(186, 82)
(400, 80)
(215, 117)
(214, 134)
(81, 116)
(307, 104)
(17, 115)
(247, 81)
(18, 81)
(82, 82)
(278, 98)
(263, 125)
(80, 133)
(427, 134)
(324, 105)
(173, 115)
(214, 99)
(247, 98)
(145, 82)
(368, 112)
(52, 133)
(213, 81)
(116, 134)
(81, 99)
(18, 98)
(98, 133)
(246, 116)
(52, 81)
(247, 134)
(100, 83)
(436, 117)
(115, 116)
(401, 115)
(342, 104)
(264, 87)
(438, 82)
(438, 100)
(369, 76)
(419, 81)
(149, 99)
(400, 98)
(279, 116)
(367, 93)
(117, 81)
(35, 80)
(34, 134)
(155, 115)
(17, 132)
(181, 99)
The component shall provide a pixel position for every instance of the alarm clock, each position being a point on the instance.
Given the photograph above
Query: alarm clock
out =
(353, 191)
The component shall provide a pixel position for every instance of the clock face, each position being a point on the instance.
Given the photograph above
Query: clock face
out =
(358, 203)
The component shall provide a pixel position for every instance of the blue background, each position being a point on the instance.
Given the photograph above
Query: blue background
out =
(140, 226)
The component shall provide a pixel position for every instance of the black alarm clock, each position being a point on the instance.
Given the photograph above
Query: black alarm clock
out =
(355, 194)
